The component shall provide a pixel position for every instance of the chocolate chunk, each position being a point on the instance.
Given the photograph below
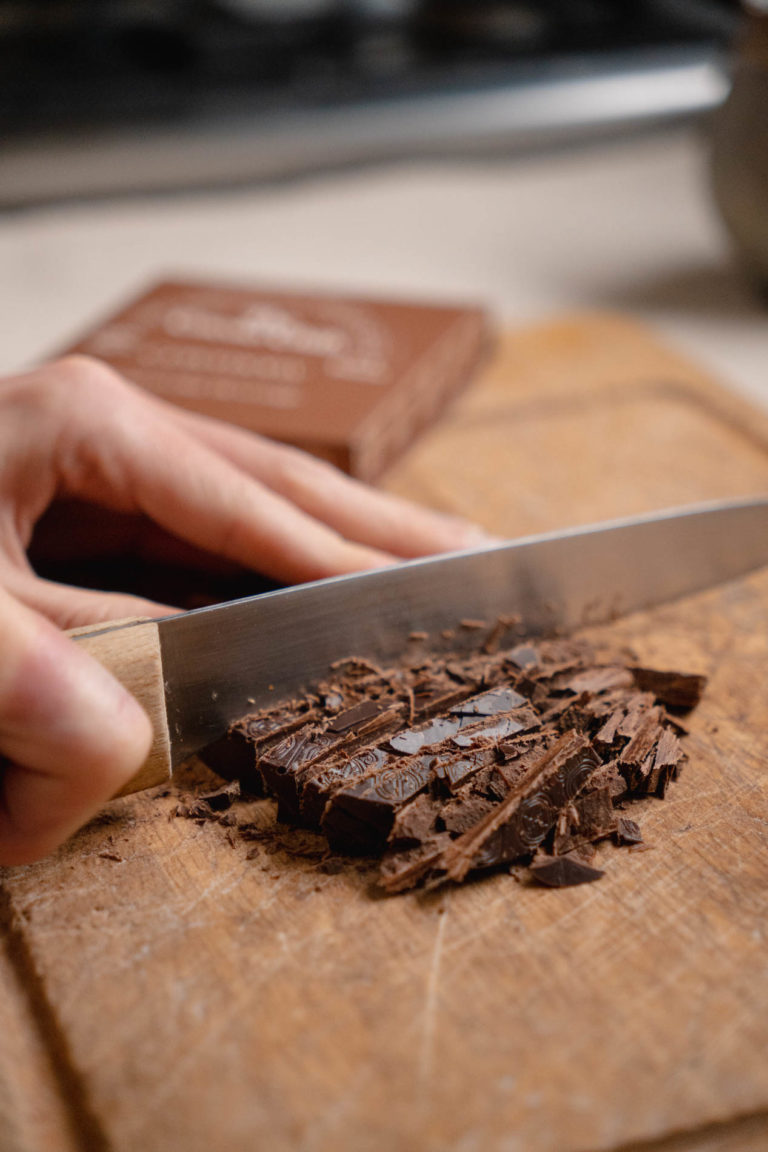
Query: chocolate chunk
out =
(675, 689)
(222, 798)
(336, 773)
(415, 821)
(413, 740)
(436, 693)
(666, 763)
(591, 817)
(455, 769)
(637, 760)
(406, 869)
(607, 734)
(563, 872)
(499, 729)
(595, 680)
(354, 717)
(360, 816)
(281, 765)
(521, 822)
(460, 815)
(523, 656)
(628, 831)
(235, 755)
(491, 703)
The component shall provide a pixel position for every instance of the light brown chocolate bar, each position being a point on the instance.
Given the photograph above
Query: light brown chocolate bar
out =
(351, 380)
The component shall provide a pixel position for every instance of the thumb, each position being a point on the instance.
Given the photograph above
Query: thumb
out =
(71, 733)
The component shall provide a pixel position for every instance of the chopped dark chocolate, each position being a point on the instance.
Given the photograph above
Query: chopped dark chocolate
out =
(517, 826)
(451, 765)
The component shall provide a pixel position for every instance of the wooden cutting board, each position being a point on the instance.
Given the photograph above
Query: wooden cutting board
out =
(169, 986)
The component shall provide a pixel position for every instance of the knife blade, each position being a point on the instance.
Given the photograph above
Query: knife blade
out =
(213, 665)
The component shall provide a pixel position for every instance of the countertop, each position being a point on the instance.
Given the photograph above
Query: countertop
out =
(626, 226)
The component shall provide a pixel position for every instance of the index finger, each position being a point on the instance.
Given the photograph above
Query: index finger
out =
(124, 451)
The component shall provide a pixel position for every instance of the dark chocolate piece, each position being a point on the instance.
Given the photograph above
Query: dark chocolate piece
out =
(402, 870)
(460, 815)
(521, 822)
(678, 690)
(628, 831)
(336, 773)
(563, 872)
(596, 680)
(414, 740)
(499, 729)
(359, 818)
(523, 656)
(455, 769)
(591, 817)
(638, 758)
(235, 755)
(222, 798)
(355, 716)
(415, 822)
(491, 703)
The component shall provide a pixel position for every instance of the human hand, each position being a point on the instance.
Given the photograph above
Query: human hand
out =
(177, 485)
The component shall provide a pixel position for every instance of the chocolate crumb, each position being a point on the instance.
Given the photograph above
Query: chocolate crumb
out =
(628, 831)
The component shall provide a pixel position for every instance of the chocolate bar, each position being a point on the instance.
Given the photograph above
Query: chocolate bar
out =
(348, 379)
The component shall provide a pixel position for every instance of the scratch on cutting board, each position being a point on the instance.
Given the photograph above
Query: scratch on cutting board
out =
(426, 1059)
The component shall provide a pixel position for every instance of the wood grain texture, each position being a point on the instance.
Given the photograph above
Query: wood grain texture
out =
(32, 1115)
(221, 992)
(42, 1104)
(746, 1134)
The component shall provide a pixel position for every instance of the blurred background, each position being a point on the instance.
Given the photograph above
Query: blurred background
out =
(536, 156)
(145, 94)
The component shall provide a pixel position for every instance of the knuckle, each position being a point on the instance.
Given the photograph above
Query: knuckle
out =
(85, 376)
(73, 383)
(298, 471)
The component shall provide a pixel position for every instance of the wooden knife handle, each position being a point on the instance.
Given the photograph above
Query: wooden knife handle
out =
(132, 655)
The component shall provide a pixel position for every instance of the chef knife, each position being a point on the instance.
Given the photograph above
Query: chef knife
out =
(198, 671)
